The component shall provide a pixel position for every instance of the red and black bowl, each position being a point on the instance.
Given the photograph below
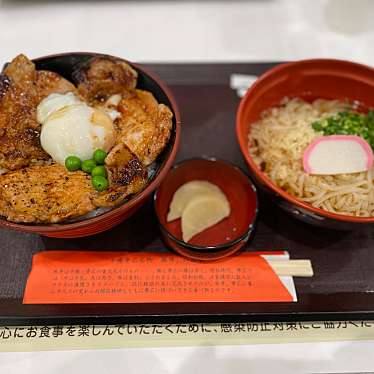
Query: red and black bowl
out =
(309, 80)
(227, 236)
(64, 64)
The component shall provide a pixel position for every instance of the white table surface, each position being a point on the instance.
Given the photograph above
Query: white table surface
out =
(327, 357)
(193, 31)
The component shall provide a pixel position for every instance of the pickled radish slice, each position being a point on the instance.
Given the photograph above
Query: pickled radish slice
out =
(337, 154)
(202, 212)
(186, 192)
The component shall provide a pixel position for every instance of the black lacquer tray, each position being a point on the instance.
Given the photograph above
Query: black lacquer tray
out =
(343, 262)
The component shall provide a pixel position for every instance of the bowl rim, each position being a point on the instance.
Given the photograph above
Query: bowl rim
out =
(220, 247)
(243, 142)
(116, 211)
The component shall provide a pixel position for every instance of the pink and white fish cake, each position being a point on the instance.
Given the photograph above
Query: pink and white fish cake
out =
(337, 154)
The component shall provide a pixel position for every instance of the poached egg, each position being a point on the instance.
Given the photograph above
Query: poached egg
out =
(71, 127)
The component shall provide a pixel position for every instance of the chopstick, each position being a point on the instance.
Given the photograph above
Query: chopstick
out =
(296, 268)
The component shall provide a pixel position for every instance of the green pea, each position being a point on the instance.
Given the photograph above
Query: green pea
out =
(73, 163)
(88, 165)
(100, 183)
(98, 171)
(99, 156)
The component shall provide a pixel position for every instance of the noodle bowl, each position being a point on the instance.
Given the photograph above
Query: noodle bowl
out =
(277, 143)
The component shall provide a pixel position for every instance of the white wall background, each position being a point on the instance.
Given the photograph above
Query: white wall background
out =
(260, 30)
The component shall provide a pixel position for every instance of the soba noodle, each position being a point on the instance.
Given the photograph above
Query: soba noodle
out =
(277, 142)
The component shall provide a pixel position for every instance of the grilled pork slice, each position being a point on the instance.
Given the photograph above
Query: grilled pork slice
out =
(21, 89)
(45, 194)
(144, 125)
(19, 130)
(22, 72)
(103, 77)
(126, 176)
(48, 82)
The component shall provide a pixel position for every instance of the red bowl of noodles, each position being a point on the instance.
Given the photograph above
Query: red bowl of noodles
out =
(307, 80)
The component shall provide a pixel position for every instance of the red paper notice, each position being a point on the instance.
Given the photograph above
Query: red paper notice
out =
(126, 277)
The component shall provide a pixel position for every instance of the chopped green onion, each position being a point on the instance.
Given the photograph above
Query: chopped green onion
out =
(348, 123)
